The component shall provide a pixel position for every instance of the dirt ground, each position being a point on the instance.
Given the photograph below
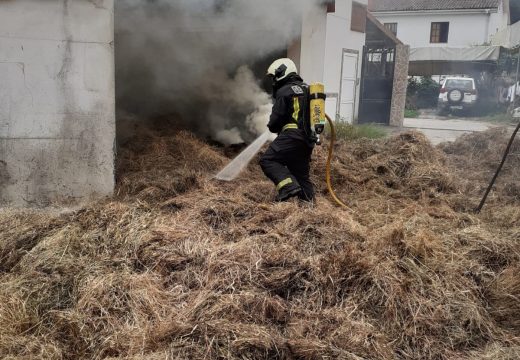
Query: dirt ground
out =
(178, 266)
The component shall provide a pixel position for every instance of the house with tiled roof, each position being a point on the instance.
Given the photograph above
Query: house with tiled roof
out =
(443, 23)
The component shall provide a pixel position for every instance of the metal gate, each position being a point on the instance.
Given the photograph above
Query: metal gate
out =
(377, 81)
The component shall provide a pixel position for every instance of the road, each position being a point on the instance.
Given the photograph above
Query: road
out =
(440, 130)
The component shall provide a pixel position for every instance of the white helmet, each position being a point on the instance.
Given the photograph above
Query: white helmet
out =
(282, 68)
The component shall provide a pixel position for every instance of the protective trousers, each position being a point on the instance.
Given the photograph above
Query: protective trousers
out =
(287, 163)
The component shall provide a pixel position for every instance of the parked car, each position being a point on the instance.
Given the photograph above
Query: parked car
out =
(457, 93)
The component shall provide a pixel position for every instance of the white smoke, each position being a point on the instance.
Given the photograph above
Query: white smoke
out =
(190, 58)
(240, 92)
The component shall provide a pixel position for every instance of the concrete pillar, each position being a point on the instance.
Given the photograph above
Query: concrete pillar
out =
(402, 57)
(57, 102)
(314, 31)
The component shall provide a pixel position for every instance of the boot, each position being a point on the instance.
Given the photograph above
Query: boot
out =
(288, 192)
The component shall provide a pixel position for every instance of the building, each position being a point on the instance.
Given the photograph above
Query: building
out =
(330, 51)
(509, 37)
(447, 37)
(337, 48)
(441, 23)
(57, 99)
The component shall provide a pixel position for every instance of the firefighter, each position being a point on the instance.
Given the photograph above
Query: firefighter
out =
(287, 160)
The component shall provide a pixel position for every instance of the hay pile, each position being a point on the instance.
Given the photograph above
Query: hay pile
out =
(178, 266)
(475, 158)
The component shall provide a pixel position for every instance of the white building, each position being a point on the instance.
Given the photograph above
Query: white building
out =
(439, 23)
(331, 51)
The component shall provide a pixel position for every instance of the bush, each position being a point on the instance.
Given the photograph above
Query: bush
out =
(411, 113)
(423, 93)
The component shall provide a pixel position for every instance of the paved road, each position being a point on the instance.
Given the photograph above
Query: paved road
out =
(441, 130)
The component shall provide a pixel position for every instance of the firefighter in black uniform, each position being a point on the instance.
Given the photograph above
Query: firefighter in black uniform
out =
(287, 161)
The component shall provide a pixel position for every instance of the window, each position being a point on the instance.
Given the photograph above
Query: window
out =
(459, 84)
(331, 6)
(392, 27)
(359, 17)
(439, 32)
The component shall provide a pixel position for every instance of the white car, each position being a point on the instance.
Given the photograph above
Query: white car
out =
(457, 93)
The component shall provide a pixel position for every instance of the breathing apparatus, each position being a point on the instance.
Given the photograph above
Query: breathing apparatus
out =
(318, 118)
(316, 127)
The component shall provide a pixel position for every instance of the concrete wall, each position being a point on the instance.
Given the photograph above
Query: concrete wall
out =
(514, 35)
(466, 29)
(57, 116)
(314, 30)
(508, 37)
(339, 37)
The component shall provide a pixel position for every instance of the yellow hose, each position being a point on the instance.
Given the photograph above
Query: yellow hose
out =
(329, 164)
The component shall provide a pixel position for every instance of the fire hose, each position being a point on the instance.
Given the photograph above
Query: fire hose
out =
(329, 165)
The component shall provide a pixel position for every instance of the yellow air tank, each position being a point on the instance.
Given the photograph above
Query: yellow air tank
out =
(317, 107)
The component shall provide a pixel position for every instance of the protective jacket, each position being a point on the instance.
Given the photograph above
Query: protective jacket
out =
(287, 161)
(290, 109)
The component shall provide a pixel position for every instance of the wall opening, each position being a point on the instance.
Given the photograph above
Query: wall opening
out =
(199, 65)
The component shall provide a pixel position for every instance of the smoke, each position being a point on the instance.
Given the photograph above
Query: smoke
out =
(192, 59)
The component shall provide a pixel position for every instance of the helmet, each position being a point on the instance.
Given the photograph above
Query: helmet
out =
(282, 68)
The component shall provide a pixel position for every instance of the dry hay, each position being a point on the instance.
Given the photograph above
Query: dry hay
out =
(153, 168)
(475, 158)
(178, 266)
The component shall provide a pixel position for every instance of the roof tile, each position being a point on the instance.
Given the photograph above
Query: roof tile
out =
(418, 5)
